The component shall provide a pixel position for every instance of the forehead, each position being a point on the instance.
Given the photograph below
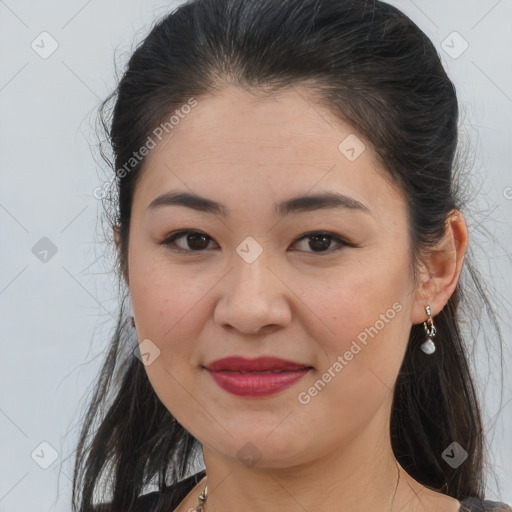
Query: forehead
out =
(288, 125)
(267, 146)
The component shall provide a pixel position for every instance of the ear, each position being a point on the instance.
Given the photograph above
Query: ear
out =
(441, 269)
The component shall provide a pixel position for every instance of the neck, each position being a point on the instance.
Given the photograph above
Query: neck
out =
(360, 476)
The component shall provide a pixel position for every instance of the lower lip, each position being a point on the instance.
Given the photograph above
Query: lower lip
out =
(256, 384)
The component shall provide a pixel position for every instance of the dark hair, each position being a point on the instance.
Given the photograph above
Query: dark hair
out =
(375, 69)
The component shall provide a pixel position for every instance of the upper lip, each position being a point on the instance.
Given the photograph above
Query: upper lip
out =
(260, 364)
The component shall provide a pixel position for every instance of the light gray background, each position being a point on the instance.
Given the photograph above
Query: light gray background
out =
(57, 316)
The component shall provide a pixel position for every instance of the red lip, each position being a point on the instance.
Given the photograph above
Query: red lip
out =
(261, 364)
(256, 377)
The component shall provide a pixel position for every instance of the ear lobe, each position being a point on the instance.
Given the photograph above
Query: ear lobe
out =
(116, 229)
(441, 269)
(117, 235)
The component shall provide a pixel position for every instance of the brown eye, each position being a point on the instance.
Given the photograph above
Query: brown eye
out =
(194, 241)
(320, 242)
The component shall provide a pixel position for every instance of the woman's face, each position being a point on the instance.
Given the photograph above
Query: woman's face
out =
(255, 285)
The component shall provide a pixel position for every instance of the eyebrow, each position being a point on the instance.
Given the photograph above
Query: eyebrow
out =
(297, 204)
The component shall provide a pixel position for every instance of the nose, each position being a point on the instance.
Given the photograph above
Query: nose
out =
(254, 299)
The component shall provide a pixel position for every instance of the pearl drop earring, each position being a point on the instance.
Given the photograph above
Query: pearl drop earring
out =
(428, 346)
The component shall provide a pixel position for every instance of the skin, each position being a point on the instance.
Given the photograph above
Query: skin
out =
(248, 153)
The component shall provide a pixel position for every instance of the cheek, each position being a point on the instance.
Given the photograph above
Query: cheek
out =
(361, 315)
(171, 313)
(166, 297)
(169, 305)
(361, 341)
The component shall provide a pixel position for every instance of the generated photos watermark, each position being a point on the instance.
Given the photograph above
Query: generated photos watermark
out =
(304, 397)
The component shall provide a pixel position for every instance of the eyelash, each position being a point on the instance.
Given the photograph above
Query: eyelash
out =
(168, 241)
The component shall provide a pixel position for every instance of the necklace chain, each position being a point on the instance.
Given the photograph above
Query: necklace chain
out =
(201, 499)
